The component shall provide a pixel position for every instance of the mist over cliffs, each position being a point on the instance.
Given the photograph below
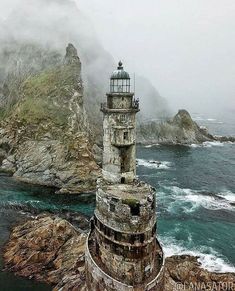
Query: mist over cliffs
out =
(34, 37)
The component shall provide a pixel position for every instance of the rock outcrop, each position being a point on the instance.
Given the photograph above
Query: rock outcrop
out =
(45, 135)
(181, 129)
(33, 41)
(51, 250)
(48, 249)
(185, 273)
(50, 126)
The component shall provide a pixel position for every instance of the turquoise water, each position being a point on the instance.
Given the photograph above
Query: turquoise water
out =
(16, 199)
(195, 195)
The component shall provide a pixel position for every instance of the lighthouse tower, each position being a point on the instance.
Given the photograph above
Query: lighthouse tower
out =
(122, 251)
(119, 158)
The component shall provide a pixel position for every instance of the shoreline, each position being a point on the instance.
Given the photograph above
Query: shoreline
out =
(179, 268)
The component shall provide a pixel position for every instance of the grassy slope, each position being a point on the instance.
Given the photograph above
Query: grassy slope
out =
(45, 97)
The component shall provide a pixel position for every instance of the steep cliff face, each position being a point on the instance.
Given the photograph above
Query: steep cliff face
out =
(32, 41)
(45, 133)
(181, 129)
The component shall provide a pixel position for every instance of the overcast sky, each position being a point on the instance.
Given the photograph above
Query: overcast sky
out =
(185, 47)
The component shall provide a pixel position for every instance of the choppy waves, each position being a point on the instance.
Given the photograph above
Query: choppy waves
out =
(189, 200)
(161, 165)
(151, 145)
(210, 120)
(208, 257)
(209, 144)
(227, 195)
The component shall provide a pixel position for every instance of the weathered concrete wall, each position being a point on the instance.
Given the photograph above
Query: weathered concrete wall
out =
(120, 100)
(126, 208)
(122, 251)
(98, 280)
(125, 232)
(127, 262)
(119, 140)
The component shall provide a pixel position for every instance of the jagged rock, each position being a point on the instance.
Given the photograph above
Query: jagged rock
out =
(71, 57)
(51, 250)
(98, 152)
(185, 273)
(181, 129)
(47, 131)
(32, 42)
(48, 249)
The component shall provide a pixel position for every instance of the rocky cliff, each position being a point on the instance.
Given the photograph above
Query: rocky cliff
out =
(50, 249)
(44, 134)
(50, 120)
(181, 129)
(32, 41)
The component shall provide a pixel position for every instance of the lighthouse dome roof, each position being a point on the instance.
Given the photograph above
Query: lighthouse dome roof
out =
(120, 73)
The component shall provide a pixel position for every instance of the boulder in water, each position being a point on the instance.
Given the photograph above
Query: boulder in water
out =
(181, 129)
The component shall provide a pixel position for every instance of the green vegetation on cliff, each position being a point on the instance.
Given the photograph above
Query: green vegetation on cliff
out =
(45, 97)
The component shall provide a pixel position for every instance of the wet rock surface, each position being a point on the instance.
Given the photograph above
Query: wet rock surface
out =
(48, 248)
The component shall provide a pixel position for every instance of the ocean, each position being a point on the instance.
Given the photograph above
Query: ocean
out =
(195, 188)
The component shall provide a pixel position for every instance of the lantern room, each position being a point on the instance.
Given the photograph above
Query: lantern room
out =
(120, 81)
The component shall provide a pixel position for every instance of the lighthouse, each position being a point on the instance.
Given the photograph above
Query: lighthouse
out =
(122, 250)
(119, 129)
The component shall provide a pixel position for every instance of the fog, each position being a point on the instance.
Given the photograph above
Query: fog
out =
(185, 47)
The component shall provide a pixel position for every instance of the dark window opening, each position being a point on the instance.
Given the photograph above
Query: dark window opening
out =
(123, 118)
(132, 239)
(142, 237)
(122, 167)
(114, 200)
(125, 135)
(112, 207)
(92, 224)
(135, 209)
(118, 236)
(124, 160)
(123, 180)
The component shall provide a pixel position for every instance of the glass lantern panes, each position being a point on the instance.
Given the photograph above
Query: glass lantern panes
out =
(120, 86)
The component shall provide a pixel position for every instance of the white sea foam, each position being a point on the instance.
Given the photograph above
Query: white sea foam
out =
(151, 145)
(208, 257)
(228, 195)
(190, 200)
(208, 144)
(211, 119)
(161, 165)
(194, 145)
(198, 118)
(207, 202)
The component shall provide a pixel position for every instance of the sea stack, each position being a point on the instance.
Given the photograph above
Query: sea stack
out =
(122, 251)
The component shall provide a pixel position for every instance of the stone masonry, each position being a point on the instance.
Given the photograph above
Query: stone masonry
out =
(122, 251)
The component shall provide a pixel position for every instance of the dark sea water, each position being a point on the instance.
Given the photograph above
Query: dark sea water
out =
(195, 195)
